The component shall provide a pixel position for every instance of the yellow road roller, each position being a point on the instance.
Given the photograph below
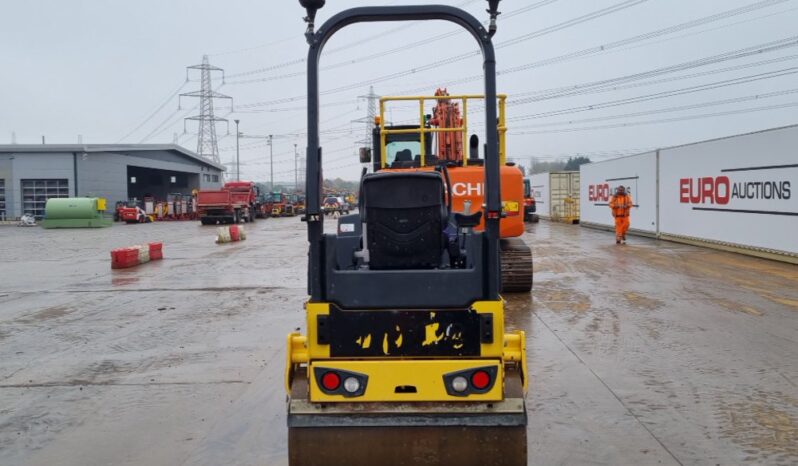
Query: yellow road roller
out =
(405, 360)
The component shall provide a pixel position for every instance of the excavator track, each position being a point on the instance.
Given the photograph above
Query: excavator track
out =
(407, 434)
(516, 258)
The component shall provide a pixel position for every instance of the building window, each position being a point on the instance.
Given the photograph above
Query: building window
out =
(3, 200)
(132, 180)
(215, 178)
(36, 192)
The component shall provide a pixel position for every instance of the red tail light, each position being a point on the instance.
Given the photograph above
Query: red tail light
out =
(331, 381)
(480, 380)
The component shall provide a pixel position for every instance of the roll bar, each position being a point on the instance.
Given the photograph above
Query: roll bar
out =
(313, 187)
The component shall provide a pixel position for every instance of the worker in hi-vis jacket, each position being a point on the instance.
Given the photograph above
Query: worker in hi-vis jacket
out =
(621, 206)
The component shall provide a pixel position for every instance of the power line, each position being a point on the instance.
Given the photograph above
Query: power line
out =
(660, 95)
(438, 63)
(457, 58)
(666, 80)
(357, 43)
(713, 103)
(616, 45)
(572, 22)
(256, 47)
(157, 132)
(155, 112)
(665, 120)
(601, 86)
(553, 60)
(592, 154)
(612, 84)
(650, 35)
(151, 133)
(604, 48)
(403, 48)
(336, 130)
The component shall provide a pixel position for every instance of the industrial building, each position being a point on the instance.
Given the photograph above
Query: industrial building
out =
(31, 174)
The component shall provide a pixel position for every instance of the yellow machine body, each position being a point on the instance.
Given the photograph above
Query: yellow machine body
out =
(387, 372)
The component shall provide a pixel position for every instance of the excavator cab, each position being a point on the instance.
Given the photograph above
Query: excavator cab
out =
(403, 150)
(405, 359)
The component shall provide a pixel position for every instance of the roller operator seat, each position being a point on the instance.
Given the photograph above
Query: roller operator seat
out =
(405, 215)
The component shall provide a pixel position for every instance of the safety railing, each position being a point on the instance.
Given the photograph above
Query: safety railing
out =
(423, 131)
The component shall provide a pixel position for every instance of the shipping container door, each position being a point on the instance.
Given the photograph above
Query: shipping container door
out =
(573, 194)
(565, 195)
(559, 191)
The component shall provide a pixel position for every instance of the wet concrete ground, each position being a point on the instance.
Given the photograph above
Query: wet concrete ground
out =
(649, 353)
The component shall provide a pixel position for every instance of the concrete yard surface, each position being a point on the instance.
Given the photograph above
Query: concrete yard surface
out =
(648, 353)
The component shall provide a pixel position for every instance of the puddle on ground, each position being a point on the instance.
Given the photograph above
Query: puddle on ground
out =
(557, 298)
(765, 424)
(793, 303)
(639, 301)
(732, 306)
(52, 312)
(124, 281)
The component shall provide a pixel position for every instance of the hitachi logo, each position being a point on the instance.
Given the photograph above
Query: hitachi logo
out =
(467, 189)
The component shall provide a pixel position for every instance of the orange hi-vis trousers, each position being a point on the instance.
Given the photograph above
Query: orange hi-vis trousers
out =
(621, 227)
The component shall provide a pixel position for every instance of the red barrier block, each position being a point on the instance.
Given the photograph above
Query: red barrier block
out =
(156, 251)
(123, 258)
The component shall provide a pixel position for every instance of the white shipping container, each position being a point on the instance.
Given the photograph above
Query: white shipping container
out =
(539, 184)
(738, 190)
(564, 195)
(550, 191)
(638, 173)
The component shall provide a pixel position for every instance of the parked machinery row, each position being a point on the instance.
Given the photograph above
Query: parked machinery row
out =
(177, 206)
(279, 204)
(234, 202)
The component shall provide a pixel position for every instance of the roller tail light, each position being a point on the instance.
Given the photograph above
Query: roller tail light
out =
(474, 381)
(340, 382)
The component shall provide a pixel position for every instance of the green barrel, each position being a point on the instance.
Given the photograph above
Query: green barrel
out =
(74, 212)
(70, 208)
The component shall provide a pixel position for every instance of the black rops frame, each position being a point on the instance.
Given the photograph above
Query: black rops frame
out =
(313, 177)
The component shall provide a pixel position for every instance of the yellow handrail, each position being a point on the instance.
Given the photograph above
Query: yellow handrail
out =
(422, 130)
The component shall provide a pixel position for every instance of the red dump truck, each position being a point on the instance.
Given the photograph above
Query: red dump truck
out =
(236, 201)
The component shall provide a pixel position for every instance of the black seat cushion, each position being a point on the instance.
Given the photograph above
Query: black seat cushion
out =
(404, 221)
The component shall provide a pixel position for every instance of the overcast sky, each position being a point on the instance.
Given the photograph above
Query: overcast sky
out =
(102, 68)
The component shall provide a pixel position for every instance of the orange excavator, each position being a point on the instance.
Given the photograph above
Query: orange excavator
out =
(438, 140)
